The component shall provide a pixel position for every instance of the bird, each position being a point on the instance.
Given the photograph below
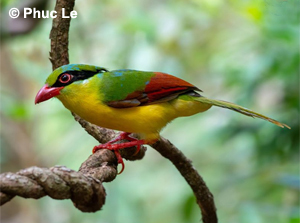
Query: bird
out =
(130, 101)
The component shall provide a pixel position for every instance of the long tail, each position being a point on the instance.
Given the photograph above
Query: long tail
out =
(240, 109)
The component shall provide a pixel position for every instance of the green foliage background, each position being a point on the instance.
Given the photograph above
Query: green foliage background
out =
(245, 52)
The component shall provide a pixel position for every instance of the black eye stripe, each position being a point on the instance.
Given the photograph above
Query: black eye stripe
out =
(75, 76)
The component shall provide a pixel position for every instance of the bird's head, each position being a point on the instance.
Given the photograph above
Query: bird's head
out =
(64, 77)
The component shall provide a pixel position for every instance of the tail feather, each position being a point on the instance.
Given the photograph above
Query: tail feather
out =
(240, 109)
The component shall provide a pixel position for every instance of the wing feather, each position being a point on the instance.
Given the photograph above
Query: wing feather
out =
(160, 88)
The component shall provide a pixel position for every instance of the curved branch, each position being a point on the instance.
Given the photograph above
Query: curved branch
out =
(84, 187)
(62, 183)
(204, 197)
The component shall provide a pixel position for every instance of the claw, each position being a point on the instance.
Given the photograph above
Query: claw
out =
(120, 160)
(95, 149)
(115, 150)
(138, 147)
(125, 135)
(115, 147)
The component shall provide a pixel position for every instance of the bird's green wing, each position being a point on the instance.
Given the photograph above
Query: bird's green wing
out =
(131, 88)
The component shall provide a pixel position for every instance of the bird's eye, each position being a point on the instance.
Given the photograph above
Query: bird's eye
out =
(65, 78)
(102, 70)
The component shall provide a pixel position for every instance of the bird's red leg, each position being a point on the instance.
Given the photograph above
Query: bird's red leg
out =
(117, 146)
(125, 135)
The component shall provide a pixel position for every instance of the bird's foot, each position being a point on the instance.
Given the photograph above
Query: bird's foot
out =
(116, 147)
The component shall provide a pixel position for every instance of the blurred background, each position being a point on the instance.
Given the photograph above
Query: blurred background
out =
(246, 52)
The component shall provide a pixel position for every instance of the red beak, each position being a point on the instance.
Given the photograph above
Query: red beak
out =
(46, 93)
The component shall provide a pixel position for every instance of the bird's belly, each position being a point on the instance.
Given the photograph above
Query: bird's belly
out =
(145, 120)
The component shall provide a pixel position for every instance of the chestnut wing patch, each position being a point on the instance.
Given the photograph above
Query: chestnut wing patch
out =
(160, 88)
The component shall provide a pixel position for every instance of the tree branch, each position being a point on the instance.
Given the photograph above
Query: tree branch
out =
(204, 197)
(84, 187)
(59, 35)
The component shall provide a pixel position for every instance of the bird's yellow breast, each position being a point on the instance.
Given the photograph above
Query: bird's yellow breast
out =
(145, 120)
